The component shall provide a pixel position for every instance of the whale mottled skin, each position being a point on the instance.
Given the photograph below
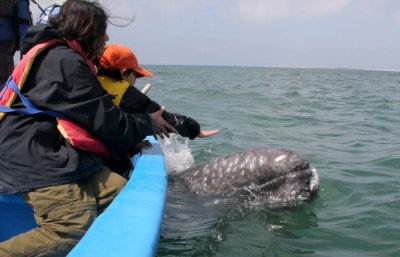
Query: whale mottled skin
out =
(267, 176)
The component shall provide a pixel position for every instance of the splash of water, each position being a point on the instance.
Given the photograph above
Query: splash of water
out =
(177, 153)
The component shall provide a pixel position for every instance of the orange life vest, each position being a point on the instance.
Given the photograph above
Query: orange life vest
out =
(75, 135)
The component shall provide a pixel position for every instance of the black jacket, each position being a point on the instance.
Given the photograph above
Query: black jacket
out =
(134, 101)
(33, 154)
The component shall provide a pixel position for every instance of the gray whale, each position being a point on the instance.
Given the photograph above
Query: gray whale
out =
(265, 176)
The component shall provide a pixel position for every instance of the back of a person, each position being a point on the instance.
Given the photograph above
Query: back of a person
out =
(15, 19)
(36, 142)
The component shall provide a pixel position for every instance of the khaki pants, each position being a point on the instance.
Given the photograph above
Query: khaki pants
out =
(63, 214)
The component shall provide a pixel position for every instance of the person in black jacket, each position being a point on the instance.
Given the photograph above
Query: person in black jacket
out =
(118, 71)
(67, 187)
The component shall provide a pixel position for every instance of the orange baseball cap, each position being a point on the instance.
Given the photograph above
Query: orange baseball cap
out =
(121, 57)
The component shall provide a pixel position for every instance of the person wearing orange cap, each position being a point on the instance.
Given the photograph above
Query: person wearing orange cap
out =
(118, 71)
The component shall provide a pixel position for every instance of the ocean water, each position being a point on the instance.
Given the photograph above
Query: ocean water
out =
(345, 122)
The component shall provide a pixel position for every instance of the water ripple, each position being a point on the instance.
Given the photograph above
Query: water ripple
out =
(346, 122)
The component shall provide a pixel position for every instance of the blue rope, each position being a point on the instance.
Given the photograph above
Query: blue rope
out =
(30, 109)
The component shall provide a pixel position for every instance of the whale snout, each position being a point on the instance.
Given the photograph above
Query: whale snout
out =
(289, 189)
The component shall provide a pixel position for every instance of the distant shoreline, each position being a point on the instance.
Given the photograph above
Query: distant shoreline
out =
(278, 67)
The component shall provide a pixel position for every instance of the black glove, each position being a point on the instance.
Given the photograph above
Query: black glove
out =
(186, 126)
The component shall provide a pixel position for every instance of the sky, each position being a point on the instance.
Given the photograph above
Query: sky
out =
(351, 34)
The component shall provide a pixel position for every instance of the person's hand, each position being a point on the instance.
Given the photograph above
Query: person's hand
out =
(207, 133)
(160, 126)
(140, 146)
(144, 144)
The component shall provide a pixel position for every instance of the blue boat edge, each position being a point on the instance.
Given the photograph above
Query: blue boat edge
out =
(131, 225)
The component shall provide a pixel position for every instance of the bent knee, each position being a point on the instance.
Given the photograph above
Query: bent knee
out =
(72, 225)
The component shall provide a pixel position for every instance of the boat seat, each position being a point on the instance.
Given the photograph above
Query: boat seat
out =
(16, 216)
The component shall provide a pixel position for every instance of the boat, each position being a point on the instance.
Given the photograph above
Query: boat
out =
(130, 226)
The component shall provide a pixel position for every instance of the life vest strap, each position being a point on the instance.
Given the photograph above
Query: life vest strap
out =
(75, 135)
(29, 107)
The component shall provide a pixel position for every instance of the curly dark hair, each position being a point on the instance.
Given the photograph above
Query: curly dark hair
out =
(84, 21)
